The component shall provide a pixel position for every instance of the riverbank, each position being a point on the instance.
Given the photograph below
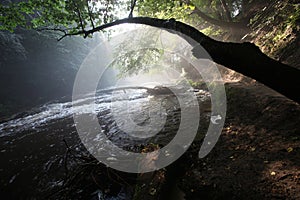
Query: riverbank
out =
(258, 153)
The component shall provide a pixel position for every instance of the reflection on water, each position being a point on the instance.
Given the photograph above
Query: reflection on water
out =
(32, 146)
(57, 111)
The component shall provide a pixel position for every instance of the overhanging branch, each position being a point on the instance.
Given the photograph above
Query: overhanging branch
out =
(245, 58)
(133, 3)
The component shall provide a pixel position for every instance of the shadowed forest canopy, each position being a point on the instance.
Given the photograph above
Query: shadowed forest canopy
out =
(213, 16)
(228, 20)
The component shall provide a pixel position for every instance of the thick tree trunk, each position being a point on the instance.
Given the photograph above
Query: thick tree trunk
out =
(226, 10)
(222, 24)
(245, 58)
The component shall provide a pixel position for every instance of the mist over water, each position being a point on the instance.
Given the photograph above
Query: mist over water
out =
(35, 68)
(124, 107)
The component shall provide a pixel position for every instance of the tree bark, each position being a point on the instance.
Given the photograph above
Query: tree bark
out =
(226, 10)
(245, 58)
(242, 24)
(223, 24)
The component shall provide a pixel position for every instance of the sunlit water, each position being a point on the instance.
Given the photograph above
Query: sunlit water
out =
(32, 144)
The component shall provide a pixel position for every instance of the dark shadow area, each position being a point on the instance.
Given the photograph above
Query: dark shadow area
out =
(257, 155)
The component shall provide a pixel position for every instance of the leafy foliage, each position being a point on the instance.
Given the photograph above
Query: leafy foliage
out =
(276, 33)
(216, 17)
(63, 15)
(138, 61)
(73, 17)
(294, 18)
(223, 10)
(165, 9)
(211, 31)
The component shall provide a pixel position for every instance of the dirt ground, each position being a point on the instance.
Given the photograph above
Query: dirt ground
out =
(258, 153)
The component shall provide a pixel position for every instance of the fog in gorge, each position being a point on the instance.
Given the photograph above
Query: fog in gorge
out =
(105, 99)
(35, 68)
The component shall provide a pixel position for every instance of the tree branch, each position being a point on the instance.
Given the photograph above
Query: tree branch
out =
(133, 3)
(90, 13)
(226, 10)
(79, 15)
(105, 14)
(53, 29)
(245, 58)
(220, 23)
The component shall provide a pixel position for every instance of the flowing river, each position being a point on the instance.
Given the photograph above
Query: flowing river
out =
(33, 144)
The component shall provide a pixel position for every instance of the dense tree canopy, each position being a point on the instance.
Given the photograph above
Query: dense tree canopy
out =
(69, 15)
(223, 13)
(213, 17)
(76, 15)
